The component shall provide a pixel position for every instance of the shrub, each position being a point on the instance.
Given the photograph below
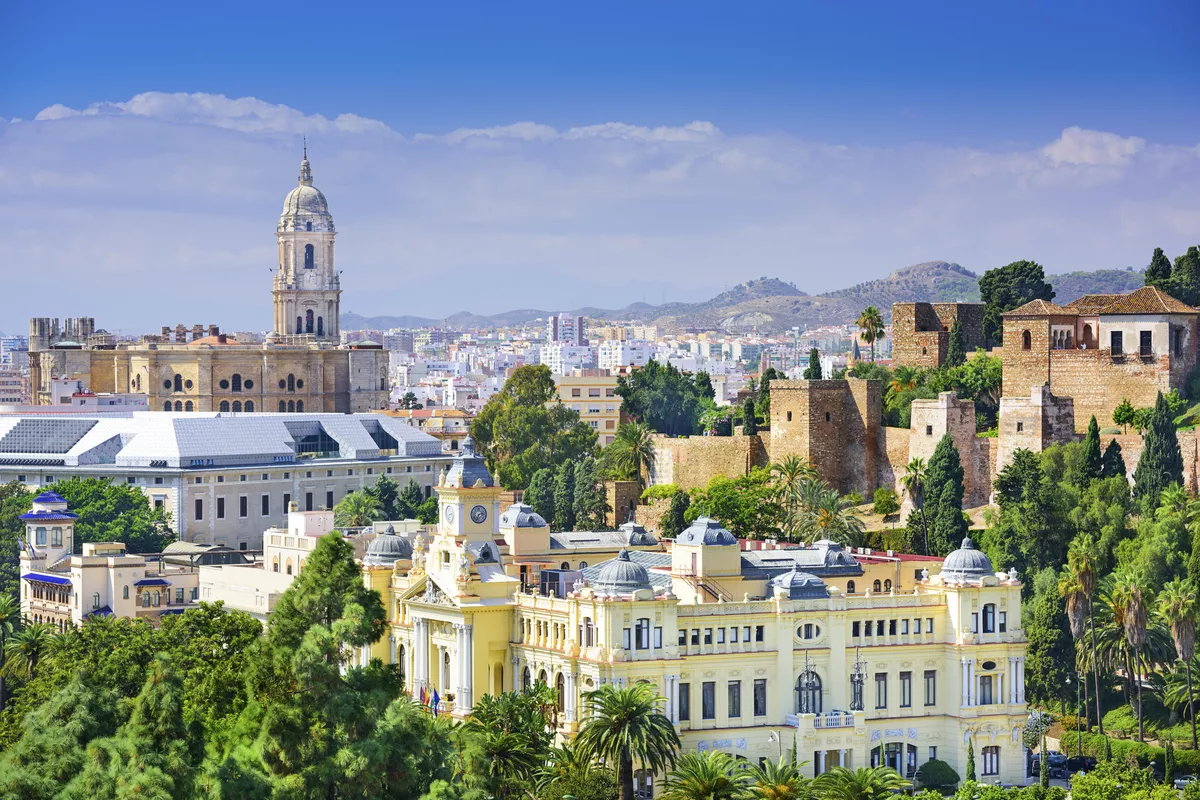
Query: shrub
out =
(1121, 721)
(937, 774)
(662, 491)
(885, 501)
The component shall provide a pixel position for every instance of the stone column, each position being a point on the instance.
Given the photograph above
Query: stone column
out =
(842, 758)
(820, 762)
(973, 696)
(516, 674)
(569, 700)
(965, 681)
(469, 671)
(1021, 679)
(459, 661)
(392, 646)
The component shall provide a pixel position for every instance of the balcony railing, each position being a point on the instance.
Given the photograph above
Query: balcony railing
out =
(834, 719)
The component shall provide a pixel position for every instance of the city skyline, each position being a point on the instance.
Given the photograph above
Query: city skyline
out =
(597, 175)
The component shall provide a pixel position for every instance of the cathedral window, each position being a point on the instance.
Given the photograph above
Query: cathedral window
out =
(291, 406)
(187, 384)
(224, 384)
(178, 405)
(320, 326)
(308, 257)
(237, 405)
(300, 405)
(300, 383)
(167, 406)
(291, 383)
(179, 383)
(188, 406)
(299, 325)
(308, 227)
(282, 383)
(282, 406)
(248, 384)
(167, 384)
(249, 407)
(235, 382)
(224, 406)
(308, 321)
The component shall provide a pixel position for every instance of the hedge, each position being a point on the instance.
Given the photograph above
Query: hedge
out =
(1187, 762)
(661, 491)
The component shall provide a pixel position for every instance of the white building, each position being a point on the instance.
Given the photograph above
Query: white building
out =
(563, 359)
(616, 355)
(566, 328)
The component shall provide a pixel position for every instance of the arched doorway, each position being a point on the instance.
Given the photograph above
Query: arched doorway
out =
(808, 693)
(308, 321)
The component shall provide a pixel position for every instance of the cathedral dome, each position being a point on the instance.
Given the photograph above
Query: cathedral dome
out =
(387, 548)
(305, 207)
(966, 563)
(621, 576)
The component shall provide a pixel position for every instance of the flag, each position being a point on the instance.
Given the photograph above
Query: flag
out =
(435, 700)
(423, 700)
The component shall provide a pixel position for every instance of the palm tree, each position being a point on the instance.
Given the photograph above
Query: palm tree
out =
(825, 515)
(632, 451)
(10, 620)
(357, 510)
(870, 322)
(914, 486)
(1177, 605)
(711, 775)
(904, 379)
(502, 762)
(779, 780)
(1076, 607)
(864, 783)
(625, 726)
(1129, 595)
(25, 648)
(1082, 563)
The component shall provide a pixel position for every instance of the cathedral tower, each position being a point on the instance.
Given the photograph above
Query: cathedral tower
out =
(307, 290)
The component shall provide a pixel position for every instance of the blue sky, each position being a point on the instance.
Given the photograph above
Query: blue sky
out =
(867, 135)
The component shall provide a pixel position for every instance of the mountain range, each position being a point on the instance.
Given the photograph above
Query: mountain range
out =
(771, 305)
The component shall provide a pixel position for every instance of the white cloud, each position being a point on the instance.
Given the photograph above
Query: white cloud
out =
(161, 209)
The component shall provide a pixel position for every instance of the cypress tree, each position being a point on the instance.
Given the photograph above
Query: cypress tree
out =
(540, 494)
(1185, 277)
(749, 420)
(1194, 561)
(813, 371)
(1051, 652)
(1113, 463)
(1092, 466)
(564, 497)
(1168, 761)
(674, 522)
(970, 760)
(1159, 272)
(956, 351)
(591, 503)
(1161, 463)
(944, 498)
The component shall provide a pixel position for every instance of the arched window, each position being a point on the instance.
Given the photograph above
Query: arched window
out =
(808, 693)
(237, 405)
(157, 599)
(179, 405)
(560, 688)
(188, 406)
(224, 406)
(275, 564)
(887, 585)
(850, 587)
(1026, 340)
(989, 618)
(179, 383)
(249, 407)
(299, 325)
(235, 382)
(308, 257)
(291, 406)
(145, 599)
(564, 566)
(125, 593)
(291, 385)
(583, 565)
(525, 685)
(167, 405)
(288, 567)
(299, 406)
(875, 587)
(588, 631)
(308, 321)
(543, 678)
(282, 406)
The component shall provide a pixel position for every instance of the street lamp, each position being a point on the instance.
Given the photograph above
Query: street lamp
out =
(857, 678)
(1078, 712)
(771, 737)
(807, 687)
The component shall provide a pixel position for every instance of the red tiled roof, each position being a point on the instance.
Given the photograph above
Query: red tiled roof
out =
(1148, 300)
(1038, 308)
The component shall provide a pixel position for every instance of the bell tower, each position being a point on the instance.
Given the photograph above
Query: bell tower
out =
(306, 290)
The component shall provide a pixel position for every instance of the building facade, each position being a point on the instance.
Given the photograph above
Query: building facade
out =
(921, 331)
(853, 660)
(300, 367)
(595, 398)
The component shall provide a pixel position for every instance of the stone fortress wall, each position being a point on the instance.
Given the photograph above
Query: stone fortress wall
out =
(921, 331)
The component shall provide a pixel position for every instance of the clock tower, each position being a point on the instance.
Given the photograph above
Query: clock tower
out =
(469, 499)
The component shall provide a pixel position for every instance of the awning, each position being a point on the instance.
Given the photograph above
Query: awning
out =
(172, 611)
(152, 582)
(102, 611)
(55, 579)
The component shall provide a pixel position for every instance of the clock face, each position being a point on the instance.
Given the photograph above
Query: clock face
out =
(478, 514)
(449, 513)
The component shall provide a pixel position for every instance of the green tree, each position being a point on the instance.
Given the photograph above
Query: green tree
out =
(409, 501)
(914, 487)
(704, 387)
(386, 491)
(864, 783)
(663, 397)
(1008, 287)
(1082, 573)
(1123, 414)
(357, 510)
(1169, 761)
(1093, 466)
(1112, 464)
(763, 404)
(970, 759)
(409, 402)
(591, 500)
(564, 497)
(1177, 606)
(1185, 277)
(523, 428)
(675, 521)
(870, 325)
(1050, 655)
(1161, 463)
(632, 452)
(10, 620)
(540, 494)
(813, 371)
(936, 774)
(885, 502)
(710, 775)
(115, 513)
(24, 649)
(626, 727)
(778, 780)
(742, 504)
(956, 349)
(1024, 534)
(1129, 596)
(944, 497)
(749, 419)
(1159, 272)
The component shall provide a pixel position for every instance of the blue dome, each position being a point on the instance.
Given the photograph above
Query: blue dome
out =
(520, 515)
(800, 585)
(638, 536)
(468, 468)
(621, 576)
(706, 531)
(966, 563)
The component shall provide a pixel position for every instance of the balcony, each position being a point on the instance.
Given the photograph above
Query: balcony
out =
(826, 720)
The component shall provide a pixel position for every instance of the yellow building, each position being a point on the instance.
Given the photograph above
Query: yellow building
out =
(595, 398)
(854, 659)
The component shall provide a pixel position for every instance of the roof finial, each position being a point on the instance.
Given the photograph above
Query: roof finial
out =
(305, 169)
(305, 147)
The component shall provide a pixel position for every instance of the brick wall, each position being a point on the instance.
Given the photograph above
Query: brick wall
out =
(623, 498)
(892, 459)
(933, 419)
(832, 424)
(921, 331)
(691, 462)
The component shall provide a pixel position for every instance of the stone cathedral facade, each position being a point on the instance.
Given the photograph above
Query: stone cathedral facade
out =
(299, 367)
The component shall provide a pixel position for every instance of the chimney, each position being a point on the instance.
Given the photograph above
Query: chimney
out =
(213, 330)
(220, 338)
(197, 332)
(166, 333)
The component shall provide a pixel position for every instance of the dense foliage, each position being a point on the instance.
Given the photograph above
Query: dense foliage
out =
(667, 399)
(1005, 288)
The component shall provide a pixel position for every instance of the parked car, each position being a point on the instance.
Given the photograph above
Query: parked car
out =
(1056, 759)
(1183, 780)
(1078, 763)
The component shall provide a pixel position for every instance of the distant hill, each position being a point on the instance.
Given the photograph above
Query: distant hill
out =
(771, 305)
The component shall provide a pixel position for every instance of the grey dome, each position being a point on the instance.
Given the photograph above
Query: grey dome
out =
(706, 531)
(520, 515)
(800, 585)
(386, 549)
(305, 204)
(621, 576)
(468, 468)
(966, 563)
(638, 536)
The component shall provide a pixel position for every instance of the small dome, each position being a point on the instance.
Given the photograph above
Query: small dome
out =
(706, 531)
(305, 205)
(621, 576)
(966, 563)
(800, 585)
(386, 549)
(638, 536)
(520, 515)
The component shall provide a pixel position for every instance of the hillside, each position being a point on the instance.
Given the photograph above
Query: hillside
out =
(771, 305)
